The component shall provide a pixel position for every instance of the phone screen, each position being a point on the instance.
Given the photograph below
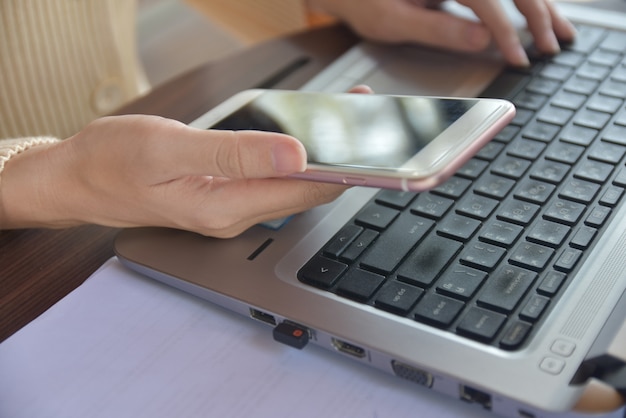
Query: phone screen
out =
(353, 130)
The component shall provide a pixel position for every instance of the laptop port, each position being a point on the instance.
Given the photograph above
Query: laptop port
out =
(262, 316)
(347, 348)
(412, 374)
(471, 395)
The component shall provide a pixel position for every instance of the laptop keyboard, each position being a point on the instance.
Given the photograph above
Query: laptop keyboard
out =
(487, 254)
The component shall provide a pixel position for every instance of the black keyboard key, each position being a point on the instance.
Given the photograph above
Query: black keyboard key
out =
(482, 256)
(569, 58)
(395, 243)
(510, 167)
(515, 335)
(581, 85)
(526, 148)
(615, 41)
(360, 244)
(620, 179)
(460, 282)
(430, 205)
(533, 309)
(438, 310)
(611, 196)
(549, 171)
(535, 191)
(395, 198)
(579, 191)
(481, 324)
(458, 227)
(522, 117)
(359, 285)
(376, 216)
(342, 240)
(568, 259)
(549, 233)
(598, 216)
(563, 152)
(587, 39)
(397, 297)
(614, 88)
(529, 100)
(555, 115)
(518, 212)
(506, 288)
(615, 133)
(531, 256)
(606, 58)
(490, 151)
(540, 131)
(607, 152)
(472, 169)
(321, 272)
(476, 206)
(428, 260)
(591, 119)
(579, 135)
(556, 72)
(551, 283)
(594, 171)
(568, 100)
(507, 134)
(619, 73)
(583, 238)
(593, 71)
(503, 234)
(494, 186)
(606, 104)
(542, 85)
(453, 188)
(564, 212)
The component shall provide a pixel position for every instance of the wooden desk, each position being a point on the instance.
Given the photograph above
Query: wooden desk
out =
(39, 267)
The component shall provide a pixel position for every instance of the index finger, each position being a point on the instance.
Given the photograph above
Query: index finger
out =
(493, 15)
(539, 21)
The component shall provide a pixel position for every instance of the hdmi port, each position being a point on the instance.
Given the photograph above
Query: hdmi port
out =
(262, 316)
(347, 348)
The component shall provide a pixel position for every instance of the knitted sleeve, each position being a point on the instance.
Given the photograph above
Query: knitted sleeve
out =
(11, 147)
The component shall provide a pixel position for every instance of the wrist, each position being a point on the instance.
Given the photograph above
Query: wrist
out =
(27, 184)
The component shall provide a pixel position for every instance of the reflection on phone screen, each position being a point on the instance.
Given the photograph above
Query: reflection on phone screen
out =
(351, 129)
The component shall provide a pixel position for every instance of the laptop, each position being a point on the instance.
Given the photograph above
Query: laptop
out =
(511, 296)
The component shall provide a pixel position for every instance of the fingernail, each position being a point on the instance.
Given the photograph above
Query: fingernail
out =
(552, 43)
(520, 57)
(287, 159)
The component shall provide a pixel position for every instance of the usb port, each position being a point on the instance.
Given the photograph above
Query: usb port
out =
(262, 316)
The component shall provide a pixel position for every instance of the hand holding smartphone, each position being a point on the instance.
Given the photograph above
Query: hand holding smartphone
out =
(410, 143)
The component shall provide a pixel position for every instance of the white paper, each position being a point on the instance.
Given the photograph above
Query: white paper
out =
(122, 345)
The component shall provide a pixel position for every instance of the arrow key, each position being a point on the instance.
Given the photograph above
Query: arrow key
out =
(321, 272)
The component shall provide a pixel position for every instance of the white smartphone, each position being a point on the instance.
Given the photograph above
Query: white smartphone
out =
(410, 143)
